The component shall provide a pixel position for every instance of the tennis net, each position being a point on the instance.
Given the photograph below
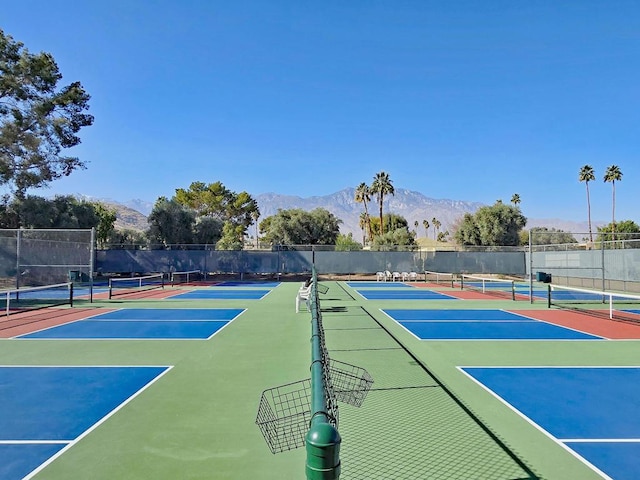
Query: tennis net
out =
(35, 298)
(178, 278)
(491, 286)
(440, 278)
(612, 305)
(125, 286)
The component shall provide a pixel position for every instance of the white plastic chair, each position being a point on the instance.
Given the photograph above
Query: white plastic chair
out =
(303, 296)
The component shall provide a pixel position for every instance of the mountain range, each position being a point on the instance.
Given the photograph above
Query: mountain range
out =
(413, 206)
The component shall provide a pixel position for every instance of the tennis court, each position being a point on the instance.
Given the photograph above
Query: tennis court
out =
(215, 293)
(47, 409)
(136, 323)
(481, 325)
(422, 418)
(588, 410)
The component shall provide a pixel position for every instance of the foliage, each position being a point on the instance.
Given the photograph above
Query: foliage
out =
(626, 229)
(346, 243)
(546, 236)
(381, 186)
(495, 225)
(299, 227)
(232, 237)
(363, 195)
(107, 218)
(170, 223)
(126, 239)
(63, 211)
(613, 174)
(238, 210)
(587, 175)
(399, 239)
(393, 220)
(37, 118)
(207, 231)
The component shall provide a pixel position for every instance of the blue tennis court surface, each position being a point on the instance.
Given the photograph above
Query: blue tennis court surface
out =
(140, 323)
(591, 410)
(406, 294)
(47, 409)
(480, 325)
(221, 294)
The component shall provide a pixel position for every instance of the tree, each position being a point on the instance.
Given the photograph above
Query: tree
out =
(498, 224)
(546, 236)
(515, 199)
(38, 119)
(363, 195)
(127, 239)
(436, 227)
(63, 211)
(107, 218)
(364, 223)
(299, 227)
(236, 210)
(346, 243)
(613, 175)
(629, 228)
(255, 216)
(381, 186)
(587, 175)
(415, 224)
(399, 239)
(170, 223)
(425, 224)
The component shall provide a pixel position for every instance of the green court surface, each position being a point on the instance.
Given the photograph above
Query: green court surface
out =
(423, 418)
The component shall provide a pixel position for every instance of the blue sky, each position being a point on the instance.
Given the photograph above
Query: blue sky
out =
(463, 100)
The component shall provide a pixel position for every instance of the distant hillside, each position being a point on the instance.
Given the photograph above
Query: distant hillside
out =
(128, 218)
(413, 206)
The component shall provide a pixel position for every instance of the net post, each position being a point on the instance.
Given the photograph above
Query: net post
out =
(71, 294)
(322, 440)
(549, 296)
(110, 289)
(513, 290)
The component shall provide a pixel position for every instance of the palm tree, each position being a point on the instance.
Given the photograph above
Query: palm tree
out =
(255, 215)
(612, 174)
(515, 199)
(364, 218)
(436, 227)
(425, 224)
(381, 186)
(363, 195)
(586, 175)
(415, 224)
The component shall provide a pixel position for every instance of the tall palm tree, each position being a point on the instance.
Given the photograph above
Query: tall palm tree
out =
(586, 175)
(613, 174)
(363, 195)
(364, 218)
(515, 199)
(415, 224)
(425, 224)
(436, 227)
(255, 216)
(381, 186)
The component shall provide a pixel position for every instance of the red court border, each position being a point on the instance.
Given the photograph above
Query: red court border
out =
(28, 322)
(602, 327)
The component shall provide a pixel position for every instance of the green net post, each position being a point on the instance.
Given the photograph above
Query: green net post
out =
(322, 440)
(322, 443)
